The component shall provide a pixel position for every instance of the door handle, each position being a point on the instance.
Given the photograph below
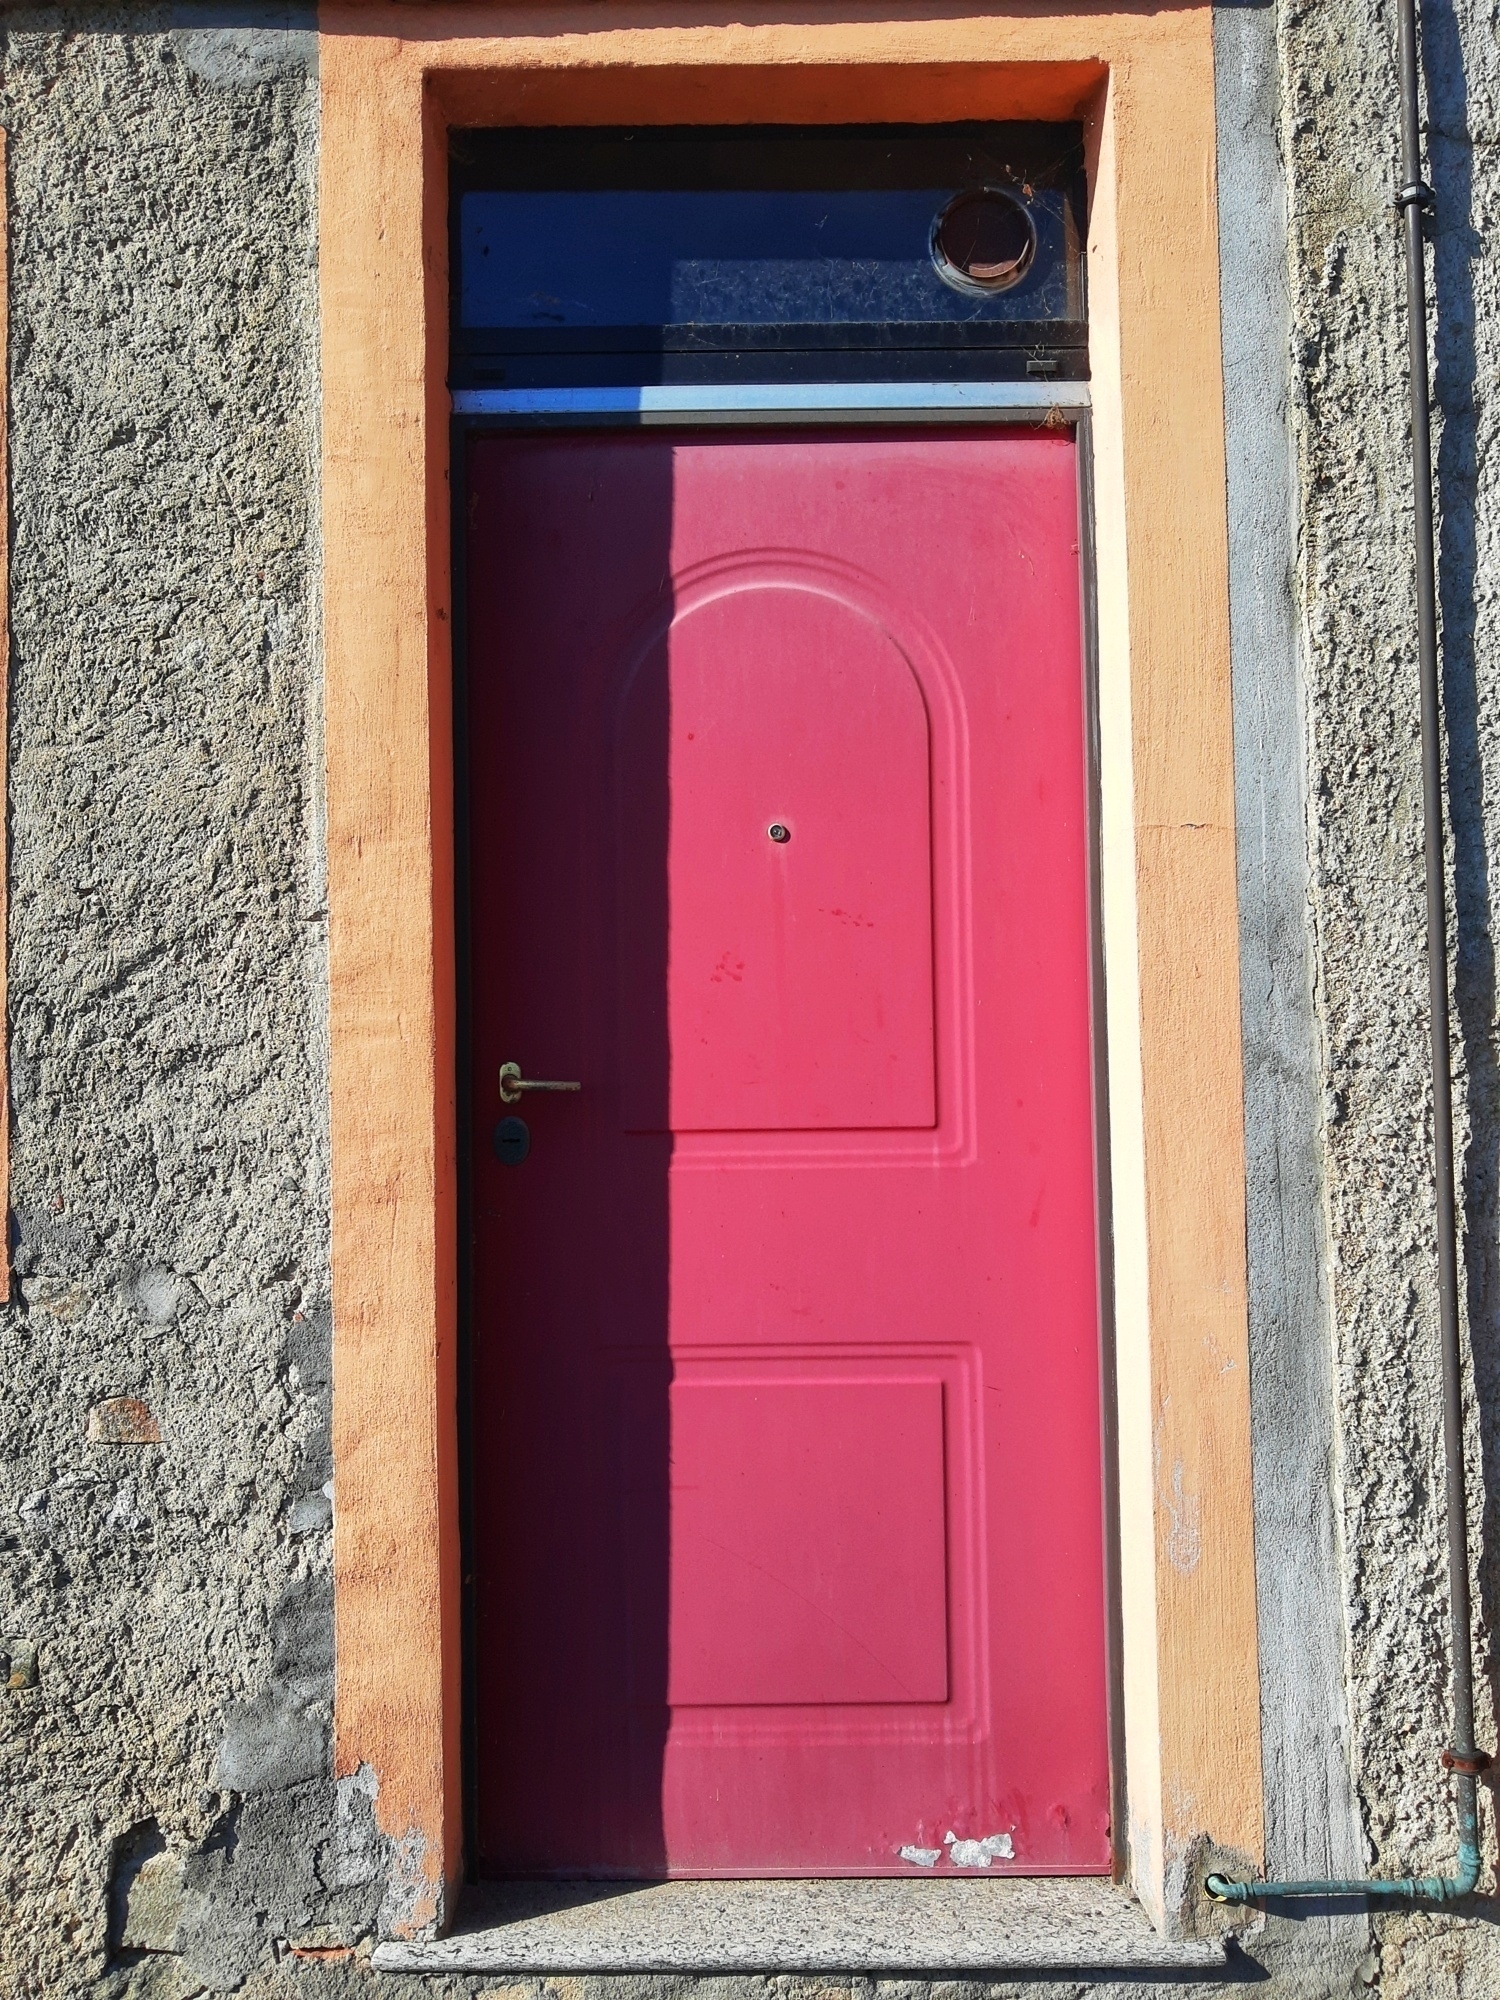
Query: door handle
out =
(513, 1084)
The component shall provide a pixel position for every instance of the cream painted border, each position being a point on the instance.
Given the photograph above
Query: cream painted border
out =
(393, 78)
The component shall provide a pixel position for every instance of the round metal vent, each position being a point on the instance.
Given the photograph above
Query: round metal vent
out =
(983, 241)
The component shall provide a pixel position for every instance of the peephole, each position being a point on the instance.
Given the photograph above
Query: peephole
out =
(983, 241)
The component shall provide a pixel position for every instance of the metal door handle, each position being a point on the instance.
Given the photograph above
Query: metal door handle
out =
(512, 1084)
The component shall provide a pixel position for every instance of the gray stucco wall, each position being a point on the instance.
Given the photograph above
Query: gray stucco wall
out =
(169, 1148)
(1312, 1825)
(168, 1826)
(1355, 597)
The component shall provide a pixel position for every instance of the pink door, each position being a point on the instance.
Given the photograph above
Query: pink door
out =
(786, 1389)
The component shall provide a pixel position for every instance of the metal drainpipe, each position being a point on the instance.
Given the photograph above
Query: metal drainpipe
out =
(1464, 1759)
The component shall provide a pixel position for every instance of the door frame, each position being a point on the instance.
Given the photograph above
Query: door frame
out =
(393, 82)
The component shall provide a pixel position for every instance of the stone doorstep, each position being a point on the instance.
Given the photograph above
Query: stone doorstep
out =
(998, 1925)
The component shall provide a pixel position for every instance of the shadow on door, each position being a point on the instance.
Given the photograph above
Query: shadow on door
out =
(568, 810)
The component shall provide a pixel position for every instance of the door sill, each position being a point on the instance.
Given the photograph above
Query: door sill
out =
(939, 1925)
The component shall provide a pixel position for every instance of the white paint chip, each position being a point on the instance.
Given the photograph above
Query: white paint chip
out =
(924, 1857)
(978, 1853)
(1185, 1537)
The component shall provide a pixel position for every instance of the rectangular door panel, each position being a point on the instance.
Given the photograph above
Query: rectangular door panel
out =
(788, 1542)
(808, 1558)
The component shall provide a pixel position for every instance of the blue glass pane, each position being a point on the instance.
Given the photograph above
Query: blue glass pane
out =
(670, 257)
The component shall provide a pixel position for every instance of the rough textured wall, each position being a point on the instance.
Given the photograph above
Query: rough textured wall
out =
(166, 1609)
(1348, 313)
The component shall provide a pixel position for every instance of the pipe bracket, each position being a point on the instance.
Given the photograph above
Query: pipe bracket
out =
(1468, 1763)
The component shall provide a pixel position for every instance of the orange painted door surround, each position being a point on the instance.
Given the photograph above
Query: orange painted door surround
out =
(786, 1399)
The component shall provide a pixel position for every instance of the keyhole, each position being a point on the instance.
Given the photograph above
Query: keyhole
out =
(512, 1141)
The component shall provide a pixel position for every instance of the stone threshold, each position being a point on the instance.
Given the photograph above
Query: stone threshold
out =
(1005, 1924)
